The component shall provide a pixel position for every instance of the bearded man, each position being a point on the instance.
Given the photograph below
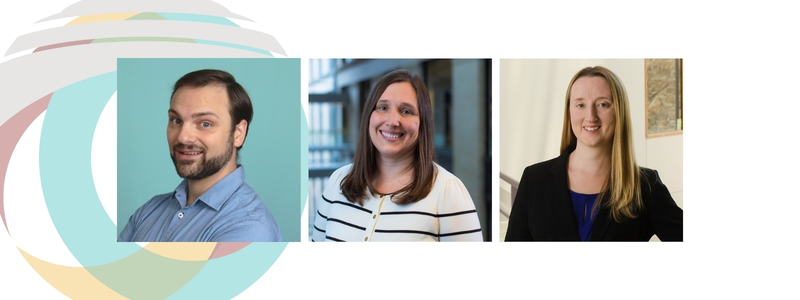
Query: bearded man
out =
(209, 116)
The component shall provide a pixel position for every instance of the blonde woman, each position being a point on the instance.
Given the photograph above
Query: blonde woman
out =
(594, 191)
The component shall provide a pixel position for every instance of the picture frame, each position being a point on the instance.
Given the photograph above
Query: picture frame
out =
(664, 97)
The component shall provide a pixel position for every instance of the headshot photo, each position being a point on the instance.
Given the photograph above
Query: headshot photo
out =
(207, 150)
(399, 150)
(591, 150)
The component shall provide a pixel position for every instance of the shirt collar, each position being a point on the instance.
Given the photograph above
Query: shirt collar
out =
(220, 192)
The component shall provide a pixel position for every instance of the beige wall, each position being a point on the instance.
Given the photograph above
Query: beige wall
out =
(665, 155)
(532, 95)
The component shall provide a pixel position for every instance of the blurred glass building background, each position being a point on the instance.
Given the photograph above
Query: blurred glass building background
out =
(460, 91)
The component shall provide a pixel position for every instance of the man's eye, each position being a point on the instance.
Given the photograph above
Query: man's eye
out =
(176, 121)
(205, 124)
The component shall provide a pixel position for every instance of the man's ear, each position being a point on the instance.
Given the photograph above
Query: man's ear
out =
(239, 133)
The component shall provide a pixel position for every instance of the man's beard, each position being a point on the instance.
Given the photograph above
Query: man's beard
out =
(206, 167)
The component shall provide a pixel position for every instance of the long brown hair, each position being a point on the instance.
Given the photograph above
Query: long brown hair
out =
(621, 192)
(365, 162)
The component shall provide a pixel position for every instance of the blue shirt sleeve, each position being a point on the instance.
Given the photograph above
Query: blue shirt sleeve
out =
(127, 234)
(251, 229)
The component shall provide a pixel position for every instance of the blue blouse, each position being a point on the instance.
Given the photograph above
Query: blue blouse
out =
(582, 204)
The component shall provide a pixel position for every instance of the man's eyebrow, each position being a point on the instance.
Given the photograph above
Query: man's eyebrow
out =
(204, 113)
(195, 115)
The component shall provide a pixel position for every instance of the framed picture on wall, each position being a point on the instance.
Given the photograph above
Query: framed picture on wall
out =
(664, 88)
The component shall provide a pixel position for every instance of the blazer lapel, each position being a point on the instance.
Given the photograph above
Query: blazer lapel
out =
(562, 202)
(601, 222)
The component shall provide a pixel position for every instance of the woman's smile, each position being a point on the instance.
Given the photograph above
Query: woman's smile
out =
(394, 122)
(591, 112)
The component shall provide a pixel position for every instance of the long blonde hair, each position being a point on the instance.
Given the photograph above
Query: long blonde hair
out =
(621, 192)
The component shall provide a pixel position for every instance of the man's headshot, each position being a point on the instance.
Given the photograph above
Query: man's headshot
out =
(208, 114)
(208, 118)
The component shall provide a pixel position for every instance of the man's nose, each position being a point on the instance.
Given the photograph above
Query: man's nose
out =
(187, 134)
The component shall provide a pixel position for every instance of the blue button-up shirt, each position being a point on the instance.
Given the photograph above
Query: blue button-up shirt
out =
(229, 211)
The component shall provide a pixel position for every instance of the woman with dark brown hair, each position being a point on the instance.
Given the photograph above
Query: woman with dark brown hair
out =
(594, 191)
(394, 191)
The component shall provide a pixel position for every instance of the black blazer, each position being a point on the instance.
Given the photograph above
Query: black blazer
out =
(542, 209)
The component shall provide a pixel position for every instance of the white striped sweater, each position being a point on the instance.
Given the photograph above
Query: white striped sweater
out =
(446, 214)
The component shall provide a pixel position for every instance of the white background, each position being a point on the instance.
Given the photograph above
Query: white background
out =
(740, 161)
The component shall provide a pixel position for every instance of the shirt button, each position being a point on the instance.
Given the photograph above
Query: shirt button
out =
(365, 239)
(180, 215)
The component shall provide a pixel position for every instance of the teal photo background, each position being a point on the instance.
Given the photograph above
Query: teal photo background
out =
(272, 155)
